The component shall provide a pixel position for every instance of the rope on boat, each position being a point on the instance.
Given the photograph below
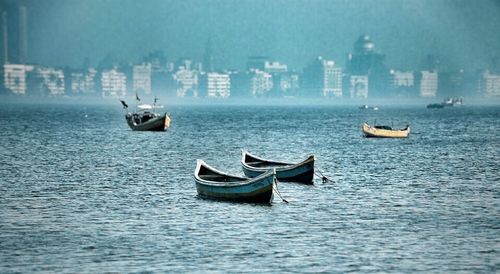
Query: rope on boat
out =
(277, 191)
(320, 174)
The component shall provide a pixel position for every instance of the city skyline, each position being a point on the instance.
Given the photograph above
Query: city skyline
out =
(65, 33)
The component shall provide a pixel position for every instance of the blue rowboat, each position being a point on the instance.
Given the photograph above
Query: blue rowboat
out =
(215, 184)
(302, 172)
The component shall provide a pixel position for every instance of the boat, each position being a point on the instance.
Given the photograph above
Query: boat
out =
(368, 107)
(385, 131)
(214, 184)
(447, 102)
(146, 119)
(435, 105)
(302, 172)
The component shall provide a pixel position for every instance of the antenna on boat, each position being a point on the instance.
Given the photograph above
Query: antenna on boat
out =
(154, 102)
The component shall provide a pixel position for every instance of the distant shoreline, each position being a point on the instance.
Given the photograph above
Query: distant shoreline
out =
(380, 102)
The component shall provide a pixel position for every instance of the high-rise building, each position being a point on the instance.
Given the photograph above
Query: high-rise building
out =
(186, 80)
(50, 81)
(5, 39)
(261, 82)
(208, 57)
(401, 83)
(489, 84)
(401, 78)
(14, 33)
(15, 77)
(426, 83)
(113, 83)
(365, 60)
(23, 35)
(142, 78)
(322, 78)
(332, 79)
(83, 82)
(289, 83)
(218, 85)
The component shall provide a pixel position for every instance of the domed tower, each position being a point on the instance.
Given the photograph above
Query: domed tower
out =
(364, 45)
(365, 61)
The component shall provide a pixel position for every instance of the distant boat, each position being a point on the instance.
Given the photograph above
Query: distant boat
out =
(302, 172)
(215, 184)
(368, 107)
(384, 131)
(447, 102)
(441, 105)
(145, 119)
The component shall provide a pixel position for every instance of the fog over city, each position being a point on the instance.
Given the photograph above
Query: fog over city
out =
(257, 48)
(463, 33)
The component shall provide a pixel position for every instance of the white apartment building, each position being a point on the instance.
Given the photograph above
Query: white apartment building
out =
(289, 81)
(275, 67)
(113, 83)
(332, 79)
(219, 85)
(402, 78)
(14, 76)
(83, 82)
(142, 79)
(428, 84)
(489, 84)
(52, 80)
(261, 82)
(187, 82)
(358, 86)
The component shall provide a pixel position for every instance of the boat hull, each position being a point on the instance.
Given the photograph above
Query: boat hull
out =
(302, 172)
(254, 190)
(372, 132)
(160, 123)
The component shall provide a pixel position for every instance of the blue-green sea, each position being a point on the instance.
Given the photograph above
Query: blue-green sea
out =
(81, 192)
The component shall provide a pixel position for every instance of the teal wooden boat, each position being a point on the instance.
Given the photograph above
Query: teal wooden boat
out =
(302, 172)
(215, 184)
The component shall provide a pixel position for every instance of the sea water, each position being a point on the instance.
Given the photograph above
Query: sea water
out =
(81, 192)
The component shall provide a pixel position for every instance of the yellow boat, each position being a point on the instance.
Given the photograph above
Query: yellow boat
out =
(385, 131)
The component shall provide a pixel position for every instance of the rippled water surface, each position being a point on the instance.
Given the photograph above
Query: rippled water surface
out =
(81, 192)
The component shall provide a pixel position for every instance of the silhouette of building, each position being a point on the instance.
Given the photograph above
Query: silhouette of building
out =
(15, 78)
(402, 83)
(489, 84)
(365, 61)
(141, 78)
(208, 57)
(113, 83)
(261, 83)
(186, 79)
(426, 83)
(215, 84)
(14, 17)
(322, 78)
(83, 82)
(50, 81)
(358, 86)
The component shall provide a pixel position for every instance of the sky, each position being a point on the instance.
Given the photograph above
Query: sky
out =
(462, 33)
